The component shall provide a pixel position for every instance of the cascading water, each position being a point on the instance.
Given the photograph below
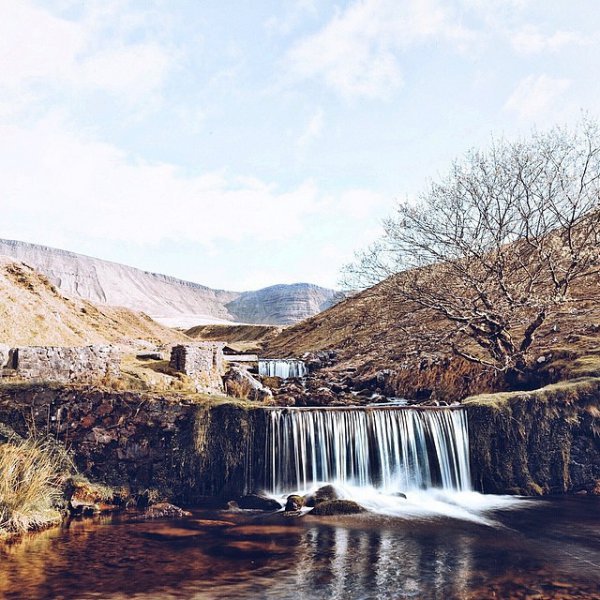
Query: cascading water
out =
(389, 449)
(285, 369)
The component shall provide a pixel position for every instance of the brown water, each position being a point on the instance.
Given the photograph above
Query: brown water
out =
(551, 549)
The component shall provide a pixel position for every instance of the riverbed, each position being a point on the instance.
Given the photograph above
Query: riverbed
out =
(544, 548)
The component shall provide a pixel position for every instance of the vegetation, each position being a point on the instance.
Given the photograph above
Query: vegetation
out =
(33, 474)
(507, 239)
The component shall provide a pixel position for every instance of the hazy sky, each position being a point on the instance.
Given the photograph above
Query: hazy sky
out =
(242, 144)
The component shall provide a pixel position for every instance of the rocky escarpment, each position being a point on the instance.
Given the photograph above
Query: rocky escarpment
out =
(184, 450)
(542, 442)
(281, 304)
(171, 301)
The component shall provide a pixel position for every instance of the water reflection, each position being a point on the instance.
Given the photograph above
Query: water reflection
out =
(550, 550)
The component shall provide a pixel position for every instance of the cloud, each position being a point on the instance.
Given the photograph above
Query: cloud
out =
(529, 40)
(41, 51)
(49, 174)
(357, 52)
(313, 129)
(536, 96)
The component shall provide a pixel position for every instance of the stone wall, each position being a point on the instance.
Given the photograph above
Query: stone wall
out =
(183, 450)
(203, 362)
(65, 364)
(535, 443)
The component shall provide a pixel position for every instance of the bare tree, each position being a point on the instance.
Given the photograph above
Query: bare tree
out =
(498, 244)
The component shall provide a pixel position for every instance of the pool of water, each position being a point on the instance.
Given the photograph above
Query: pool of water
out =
(541, 549)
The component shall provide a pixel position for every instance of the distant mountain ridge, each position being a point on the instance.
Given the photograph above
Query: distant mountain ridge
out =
(168, 300)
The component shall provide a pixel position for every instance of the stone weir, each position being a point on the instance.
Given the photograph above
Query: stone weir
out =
(186, 451)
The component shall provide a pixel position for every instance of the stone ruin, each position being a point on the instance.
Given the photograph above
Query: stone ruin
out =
(203, 362)
(73, 364)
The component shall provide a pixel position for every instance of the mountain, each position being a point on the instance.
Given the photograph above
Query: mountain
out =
(168, 300)
(34, 312)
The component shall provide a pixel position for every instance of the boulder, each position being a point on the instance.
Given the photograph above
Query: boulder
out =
(294, 503)
(241, 384)
(4, 355)
(258, 502)
(337, 507)
(326, 493)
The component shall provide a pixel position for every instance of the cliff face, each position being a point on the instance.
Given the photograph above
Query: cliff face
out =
(281, 304)
(168, 300)
(542, 442)
(186, 451)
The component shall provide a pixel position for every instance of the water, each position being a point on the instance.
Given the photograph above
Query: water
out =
(285, 369)
(388, 449)
(550, 550)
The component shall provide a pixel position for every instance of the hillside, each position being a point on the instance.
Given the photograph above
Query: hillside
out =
(34, 312)
(399, 346)
(169, 300)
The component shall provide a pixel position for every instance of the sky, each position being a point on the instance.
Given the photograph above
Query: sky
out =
(243, 144)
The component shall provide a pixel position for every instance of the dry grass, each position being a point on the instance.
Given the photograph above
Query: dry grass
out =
(239, 389)
(32, 476)
(33, 312)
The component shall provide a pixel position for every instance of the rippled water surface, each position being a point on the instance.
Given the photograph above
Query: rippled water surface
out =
(548, 549)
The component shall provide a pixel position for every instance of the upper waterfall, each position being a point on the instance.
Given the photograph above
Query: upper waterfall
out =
(284, 368)
(389, 448)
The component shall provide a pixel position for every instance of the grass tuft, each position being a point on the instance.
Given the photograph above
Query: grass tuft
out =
(32, 476)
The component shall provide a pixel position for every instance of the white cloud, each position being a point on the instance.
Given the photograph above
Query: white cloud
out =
(530, 40)
(356, 53)
(537, 96)
(38, 48)
(313, 130)
(49, 174)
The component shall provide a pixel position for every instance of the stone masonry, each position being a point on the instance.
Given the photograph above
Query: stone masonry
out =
(65, 364)
(203, 362)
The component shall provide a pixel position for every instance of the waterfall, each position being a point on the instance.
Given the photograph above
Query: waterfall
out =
(282, 368)
(389, 448)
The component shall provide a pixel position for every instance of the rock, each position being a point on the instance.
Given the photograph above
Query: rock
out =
(327, 493)
(294, 503)
(4, 355)
(258, 502)
(337, 507)
(399, 495)
(164, 510)
(241, 384)
(150, 356)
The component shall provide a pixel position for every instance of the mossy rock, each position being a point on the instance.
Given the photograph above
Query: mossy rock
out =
(337, 507)
(294, 503)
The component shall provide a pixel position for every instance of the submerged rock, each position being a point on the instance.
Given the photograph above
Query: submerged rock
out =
(258, 502)
(337, 507)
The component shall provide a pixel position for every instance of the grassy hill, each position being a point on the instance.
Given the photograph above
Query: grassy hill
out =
(371, 334)
(34, 312)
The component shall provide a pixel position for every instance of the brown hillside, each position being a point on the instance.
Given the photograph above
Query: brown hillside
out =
(34, 312)
(370, 335)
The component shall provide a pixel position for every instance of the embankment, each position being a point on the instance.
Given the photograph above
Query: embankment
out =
(541, 442)
(182, 448)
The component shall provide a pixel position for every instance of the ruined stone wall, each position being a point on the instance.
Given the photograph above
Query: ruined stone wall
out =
(65, 364)
(203, 362)
(184, 450)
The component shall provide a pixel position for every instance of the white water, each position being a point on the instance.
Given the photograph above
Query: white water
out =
(285, 369)
(370, 455)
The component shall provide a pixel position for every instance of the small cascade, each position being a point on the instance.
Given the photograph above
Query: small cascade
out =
(285, 369)
(390, 449)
